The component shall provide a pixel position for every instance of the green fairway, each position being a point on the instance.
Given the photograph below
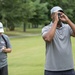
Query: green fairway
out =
(28, 55)
(73, 47)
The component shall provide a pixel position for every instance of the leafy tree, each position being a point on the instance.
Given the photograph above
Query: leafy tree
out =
(27, 10)
(40, 16)
(8, 11)
(16, 12)
(67, 5)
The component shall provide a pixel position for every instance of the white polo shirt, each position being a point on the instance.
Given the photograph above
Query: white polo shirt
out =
(59, 50)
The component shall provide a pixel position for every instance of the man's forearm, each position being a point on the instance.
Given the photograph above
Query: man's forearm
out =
(72, 25)
(7, 50)
(49, 36)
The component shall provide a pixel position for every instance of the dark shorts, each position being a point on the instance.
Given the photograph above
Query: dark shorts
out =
(4, 70)
(67, 72)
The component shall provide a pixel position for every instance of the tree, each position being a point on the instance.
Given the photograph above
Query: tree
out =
(40, 16)
(67, 5)
(15, 11)
(8, 9)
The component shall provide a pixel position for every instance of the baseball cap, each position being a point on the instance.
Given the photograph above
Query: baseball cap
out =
(1, 28)
(55, 9)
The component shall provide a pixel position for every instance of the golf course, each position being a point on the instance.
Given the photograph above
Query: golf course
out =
(28, 55)
(22, 21)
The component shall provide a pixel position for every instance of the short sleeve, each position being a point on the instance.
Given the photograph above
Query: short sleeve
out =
(8, 43)
(45, 30)
(7, 40)
(70, 30)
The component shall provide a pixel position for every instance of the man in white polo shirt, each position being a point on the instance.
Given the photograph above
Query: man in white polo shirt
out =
(57, 35)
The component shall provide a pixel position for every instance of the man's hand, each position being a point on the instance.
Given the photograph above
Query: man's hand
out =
(3, 49)
(6, 50)
(55, 17)
(64, 18)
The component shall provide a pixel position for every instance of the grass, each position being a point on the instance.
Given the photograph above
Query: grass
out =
(20, 31)
(73, 47)
(28, 55)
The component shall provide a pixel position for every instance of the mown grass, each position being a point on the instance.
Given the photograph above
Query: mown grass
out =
(28, 56)
(19, 31)
(73, 49)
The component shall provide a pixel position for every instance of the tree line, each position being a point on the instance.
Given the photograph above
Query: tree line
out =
(36, 12)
